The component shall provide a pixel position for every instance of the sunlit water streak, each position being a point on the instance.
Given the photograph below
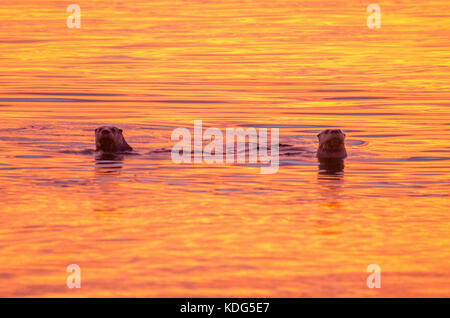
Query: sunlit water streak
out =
(144, 226)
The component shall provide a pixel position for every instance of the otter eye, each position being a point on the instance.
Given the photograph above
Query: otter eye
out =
(121, 131)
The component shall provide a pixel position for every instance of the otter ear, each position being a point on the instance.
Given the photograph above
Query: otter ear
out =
(318, 135)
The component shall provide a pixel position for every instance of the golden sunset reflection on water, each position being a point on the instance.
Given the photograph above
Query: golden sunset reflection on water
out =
(145, 226)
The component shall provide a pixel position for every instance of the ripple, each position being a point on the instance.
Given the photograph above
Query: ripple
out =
(48, 100)
(280, 126)
(431, 195)
(427, 158)
(355, 98)
(336, 90)
(383, 136)
(346, 114)
(64, 94)
(355, 142)
(436, 150)
(4, 138)
(174, 101)
(32, 156)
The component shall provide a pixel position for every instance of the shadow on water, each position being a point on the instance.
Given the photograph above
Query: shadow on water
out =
(108, 170)
(331, 168)
(108, 164)
(331, 179)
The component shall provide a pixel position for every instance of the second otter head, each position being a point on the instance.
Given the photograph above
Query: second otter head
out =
(331, 144)
(110, 139)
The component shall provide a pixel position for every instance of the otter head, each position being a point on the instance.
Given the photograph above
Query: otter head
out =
(331, 144)
(110, 139)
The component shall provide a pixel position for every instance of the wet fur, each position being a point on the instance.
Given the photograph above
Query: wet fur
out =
(110, 139)
(331, 144)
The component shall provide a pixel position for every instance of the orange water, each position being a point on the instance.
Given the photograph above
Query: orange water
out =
(145, 226)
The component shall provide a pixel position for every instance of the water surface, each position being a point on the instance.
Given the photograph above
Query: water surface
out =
(144, 226)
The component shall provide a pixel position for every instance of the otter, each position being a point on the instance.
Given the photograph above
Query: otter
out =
(331, 144)
(110, 139)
